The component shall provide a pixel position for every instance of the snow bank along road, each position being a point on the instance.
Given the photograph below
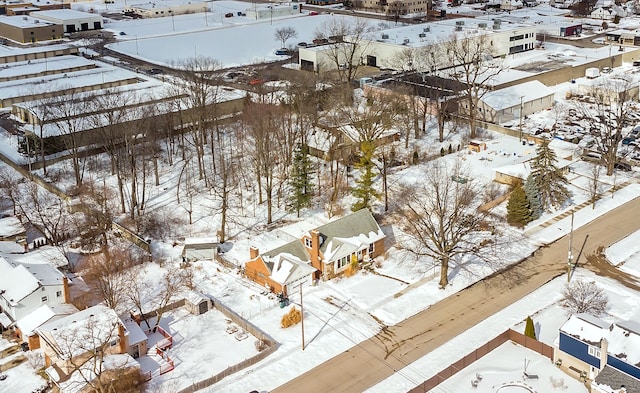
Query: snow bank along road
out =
(373, 360)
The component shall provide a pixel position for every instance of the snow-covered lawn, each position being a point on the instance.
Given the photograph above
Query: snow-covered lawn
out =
(626, 254)
(22, 378)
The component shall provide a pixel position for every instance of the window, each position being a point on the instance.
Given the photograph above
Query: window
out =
(307, 242)
(342, 262)
(113, 343)
(44, 299)
(370, 248)
(58, 293)
(594, 351)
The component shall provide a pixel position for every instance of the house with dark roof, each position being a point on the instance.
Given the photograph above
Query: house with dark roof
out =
(321, 253)
(606, 354)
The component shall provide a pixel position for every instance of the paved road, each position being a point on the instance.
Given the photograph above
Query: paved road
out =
(379, 357)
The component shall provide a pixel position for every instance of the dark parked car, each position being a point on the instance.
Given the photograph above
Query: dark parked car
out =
(281, 52)
(628, 140)
(155, 71)
(623, 166)
(303, 44)
(228, 15)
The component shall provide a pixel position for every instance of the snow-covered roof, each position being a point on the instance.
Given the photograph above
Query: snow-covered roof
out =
(10, 227)
(509, 97)
(5, 321)
(287, 269)
(352, 133)
(624, 341)
(65, 15)
(40, 66)
(162, 4)
(523, 169)
(8, 51)
(24, 22)
(133, 331)
(42, 315)
(45, 255)
(89, 370)
(200, 240)
(81, 332)
(586, 327)
(17, 282)
(424, 34)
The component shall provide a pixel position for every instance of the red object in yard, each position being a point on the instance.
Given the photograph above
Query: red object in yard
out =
(312, 13)
(256, 81)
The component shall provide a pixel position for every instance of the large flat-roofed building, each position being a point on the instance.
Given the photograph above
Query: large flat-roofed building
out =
(396, 7)
(17, 7)
(9, 54)
(71, 20)
(25, 29)
(159, 9)
(384, 48)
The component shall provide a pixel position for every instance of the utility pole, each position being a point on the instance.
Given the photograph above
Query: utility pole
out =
(520, 123)
(301, 316)
(570, 253)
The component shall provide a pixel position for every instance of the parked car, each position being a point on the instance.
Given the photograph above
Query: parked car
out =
(623, 166)
(312, 13)
(303, 44)
(281, 52)
(228, 15)
(628, 140)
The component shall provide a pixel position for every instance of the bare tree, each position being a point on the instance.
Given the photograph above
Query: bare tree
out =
(87, 349)
(348, 45)
(9, 182)
(283, 34)
(594, 184)
(608, 115)
(440, 218)
(46, 212)
(584, 297)
(471, 55)
(174, 281)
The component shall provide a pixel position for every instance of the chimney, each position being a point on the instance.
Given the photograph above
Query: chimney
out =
(314, 252)
(123, 339)
(65, 290)
(253, 252)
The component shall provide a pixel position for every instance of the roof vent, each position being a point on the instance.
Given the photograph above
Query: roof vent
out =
(458, 28)
(459, 23)
(385, 36)
(405, 41)
(422, 35)
(426, 29)
(482, 25)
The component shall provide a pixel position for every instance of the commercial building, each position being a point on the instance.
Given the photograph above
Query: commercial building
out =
(154, 9)
(24, 29)
(71, 20)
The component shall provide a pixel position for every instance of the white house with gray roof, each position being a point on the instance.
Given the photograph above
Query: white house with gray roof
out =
(514, 102)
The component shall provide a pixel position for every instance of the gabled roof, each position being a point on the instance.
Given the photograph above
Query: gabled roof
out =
(586, 327)
(81, 332)
(287, 269)
(337, 238)
(359, 225)
(42, 315)
(624, 341)
(17, 282)
(615, 379)
(11, 226)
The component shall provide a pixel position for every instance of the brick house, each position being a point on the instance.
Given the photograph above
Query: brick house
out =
(321, 253)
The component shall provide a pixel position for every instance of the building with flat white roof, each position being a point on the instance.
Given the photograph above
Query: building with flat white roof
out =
(71, 20)
(383, 48)
(159, 9)
(25, 29)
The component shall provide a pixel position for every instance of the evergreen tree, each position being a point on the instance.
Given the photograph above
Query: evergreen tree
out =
(518, 212)
(550, 181)
(531, 191)
(364, 184)
(529, 329)
(300, 180)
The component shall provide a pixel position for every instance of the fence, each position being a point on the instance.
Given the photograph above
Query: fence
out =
(168, 339)
(246, 325)
(479, 352)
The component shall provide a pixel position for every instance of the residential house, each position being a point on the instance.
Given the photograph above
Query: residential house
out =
(11, 229)
(603, 13)
(588, 347)
(26, 287)
(510, 5)
(70, 341)
(323, 252)
(26, 327)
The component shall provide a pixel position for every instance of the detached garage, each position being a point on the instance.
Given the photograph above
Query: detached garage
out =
(71, 20)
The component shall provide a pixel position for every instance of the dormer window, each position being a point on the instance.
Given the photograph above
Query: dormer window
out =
(307, 242)
(594, 351)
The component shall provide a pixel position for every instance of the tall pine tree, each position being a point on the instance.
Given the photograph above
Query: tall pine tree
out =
(518, 213)
(550, 181)
(300, 180)
(531, 190)
(364, 190)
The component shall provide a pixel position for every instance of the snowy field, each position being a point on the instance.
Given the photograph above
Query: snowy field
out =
(626, 254)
